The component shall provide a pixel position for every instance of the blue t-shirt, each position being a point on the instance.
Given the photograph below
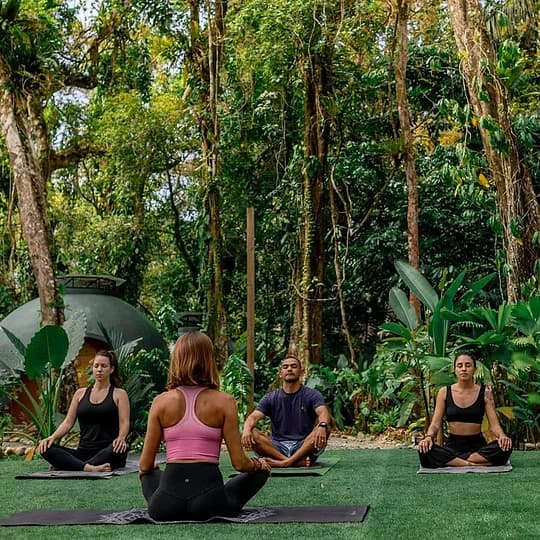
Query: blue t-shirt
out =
(292, 415)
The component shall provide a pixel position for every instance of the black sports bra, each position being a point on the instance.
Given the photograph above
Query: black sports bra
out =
(469, 415)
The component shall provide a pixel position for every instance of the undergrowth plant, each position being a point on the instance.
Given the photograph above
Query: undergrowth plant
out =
(422, 345)
(44, 360)
(236, 380)
(134, 370)
(340, 387)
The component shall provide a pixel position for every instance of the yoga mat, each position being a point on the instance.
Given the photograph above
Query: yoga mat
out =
(298, 514)
(132, 465)
(471, 469)
(320, 468)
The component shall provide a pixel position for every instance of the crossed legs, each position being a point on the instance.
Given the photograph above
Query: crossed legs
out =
(279, 455)
(69, 459)
(456, 454)
(196, 491)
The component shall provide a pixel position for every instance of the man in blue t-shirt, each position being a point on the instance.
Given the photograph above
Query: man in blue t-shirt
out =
(300, 421)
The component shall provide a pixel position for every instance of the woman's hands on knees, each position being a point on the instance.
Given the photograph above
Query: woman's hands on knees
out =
(45, 444)
(425, 444)
(505, 442)
(119, 445)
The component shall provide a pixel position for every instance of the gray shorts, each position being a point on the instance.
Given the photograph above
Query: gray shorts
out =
(288, 448)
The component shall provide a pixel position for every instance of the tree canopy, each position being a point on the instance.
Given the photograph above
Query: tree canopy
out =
(135, 135)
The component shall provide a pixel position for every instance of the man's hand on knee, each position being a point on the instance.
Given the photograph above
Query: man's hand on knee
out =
(248, 438)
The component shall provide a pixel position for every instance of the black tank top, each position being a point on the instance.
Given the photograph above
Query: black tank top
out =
(470, 415)
(99, 424)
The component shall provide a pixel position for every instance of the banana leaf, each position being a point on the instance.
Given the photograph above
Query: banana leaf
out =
(398, 329)
(402, 308)
(418, 284)
(48, 347)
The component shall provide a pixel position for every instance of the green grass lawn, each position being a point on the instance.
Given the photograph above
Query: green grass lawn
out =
(402, 503)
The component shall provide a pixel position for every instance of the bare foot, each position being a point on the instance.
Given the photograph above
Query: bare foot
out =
(105, 467)
(304, 462)
(285, 463)
(458, 462)
(278, 463)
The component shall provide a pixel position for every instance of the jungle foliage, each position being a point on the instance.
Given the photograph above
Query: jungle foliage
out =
(160, 123)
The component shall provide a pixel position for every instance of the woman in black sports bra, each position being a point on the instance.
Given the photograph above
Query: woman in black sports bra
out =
(102, 410)
(464, 405)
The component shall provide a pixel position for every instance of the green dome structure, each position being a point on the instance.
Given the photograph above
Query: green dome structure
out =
(99, 297)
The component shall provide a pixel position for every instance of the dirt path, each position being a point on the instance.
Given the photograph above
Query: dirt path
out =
(392, 438)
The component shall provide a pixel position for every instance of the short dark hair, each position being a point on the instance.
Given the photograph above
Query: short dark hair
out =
(291, 357)
(470, 354)
(193, 362)
(113, 362)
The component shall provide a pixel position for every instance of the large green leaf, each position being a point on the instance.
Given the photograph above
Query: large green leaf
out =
(438, 330)
(406, 409)
(521, 361)
(526, 318)
(534, 304)
(447, 298)
(503, 316)
(476, 287)
(116, 341)
(16, 342)
(442, 378)
(48, 347)
(402, 308)
(397, 329)
(483, 372)
(418, 284)
(75, 328)
(437, 363)
(13, 355)
(439, 325)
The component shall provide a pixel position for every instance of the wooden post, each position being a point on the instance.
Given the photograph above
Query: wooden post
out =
(250, 311)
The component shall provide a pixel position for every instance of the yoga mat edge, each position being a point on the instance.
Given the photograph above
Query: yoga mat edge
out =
(299, 514)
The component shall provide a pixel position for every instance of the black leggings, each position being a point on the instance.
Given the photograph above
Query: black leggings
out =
(462, 446)
(69, 459)
(195, 491)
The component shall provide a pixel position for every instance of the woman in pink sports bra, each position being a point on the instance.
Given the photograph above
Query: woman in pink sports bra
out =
(193, 417)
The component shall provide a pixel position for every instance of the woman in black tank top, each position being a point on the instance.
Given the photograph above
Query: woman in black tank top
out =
(103, 414)
(464, 404)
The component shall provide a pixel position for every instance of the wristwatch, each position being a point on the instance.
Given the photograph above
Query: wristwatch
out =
(322, 424)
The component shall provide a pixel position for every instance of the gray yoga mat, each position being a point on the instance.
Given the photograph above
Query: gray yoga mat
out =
(298, 514)
(318, 469)
(132, 465)
(461, 470)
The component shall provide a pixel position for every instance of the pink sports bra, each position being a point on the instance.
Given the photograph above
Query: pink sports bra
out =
(189, 438)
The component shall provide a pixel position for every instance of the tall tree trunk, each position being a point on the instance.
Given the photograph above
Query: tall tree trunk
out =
(23, 129)
(218, 320)
(309, 301)
(207, 61)
(400, 69)
(517, 201)
(339, 263)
